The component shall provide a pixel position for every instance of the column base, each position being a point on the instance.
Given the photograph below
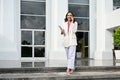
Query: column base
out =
(103, 55)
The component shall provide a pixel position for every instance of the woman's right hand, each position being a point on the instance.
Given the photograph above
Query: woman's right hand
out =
(72, 19)
(62, 31)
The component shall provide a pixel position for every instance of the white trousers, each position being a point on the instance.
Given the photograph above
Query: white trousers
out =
(70, 51)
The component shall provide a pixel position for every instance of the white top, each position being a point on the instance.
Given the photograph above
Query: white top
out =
(70, 37)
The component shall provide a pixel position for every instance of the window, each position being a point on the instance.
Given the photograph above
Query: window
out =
(116, 4)
(33, 28)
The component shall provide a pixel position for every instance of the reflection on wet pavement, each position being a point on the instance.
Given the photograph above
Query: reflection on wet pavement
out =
(55, 63)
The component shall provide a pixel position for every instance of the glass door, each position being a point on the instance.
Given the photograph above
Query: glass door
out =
(33, 28)
(80, 8)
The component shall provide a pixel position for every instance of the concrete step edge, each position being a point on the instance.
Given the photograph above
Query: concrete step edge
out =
(62, 75)
(58, 69)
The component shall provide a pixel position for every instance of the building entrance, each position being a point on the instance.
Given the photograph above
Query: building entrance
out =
(82, 47)
(80, 8)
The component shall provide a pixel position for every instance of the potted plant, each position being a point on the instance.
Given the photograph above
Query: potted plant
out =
(116, 42)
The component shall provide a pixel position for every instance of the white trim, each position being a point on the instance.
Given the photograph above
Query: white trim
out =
(33, 15)
(48, 29)
(82, 17)
(33, 44)
(33, 30)
(92, 28)
(82, 4)
(18, 31)
(33, 59)
(83, 31)
(35, 0)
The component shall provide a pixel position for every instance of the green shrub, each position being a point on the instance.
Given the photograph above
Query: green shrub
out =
(116, 37)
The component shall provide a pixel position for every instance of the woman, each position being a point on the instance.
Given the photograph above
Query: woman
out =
(69, 29)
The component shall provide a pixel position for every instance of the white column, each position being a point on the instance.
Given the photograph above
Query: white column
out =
(108, 32)
(58, 11)
(100, 30)
(1, 17)
(101, 50)
(54, 22)
(92, 27)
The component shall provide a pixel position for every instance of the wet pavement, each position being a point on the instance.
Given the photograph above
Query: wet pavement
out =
(86, 69)
(55, 63)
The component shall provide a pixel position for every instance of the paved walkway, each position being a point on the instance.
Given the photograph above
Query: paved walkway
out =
(55, 63)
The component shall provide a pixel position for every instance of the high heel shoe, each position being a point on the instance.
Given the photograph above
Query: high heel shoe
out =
(68, 71)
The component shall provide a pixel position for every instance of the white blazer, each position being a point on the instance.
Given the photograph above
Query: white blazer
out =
(69, 37)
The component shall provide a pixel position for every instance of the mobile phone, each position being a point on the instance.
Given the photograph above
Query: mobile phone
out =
(60, 27)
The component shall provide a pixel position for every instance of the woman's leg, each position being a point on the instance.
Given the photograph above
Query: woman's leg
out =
(67, 52)
(71, 57)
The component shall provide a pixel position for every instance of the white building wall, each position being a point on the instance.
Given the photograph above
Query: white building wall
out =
(113, 19)
(1, 28)
(102, 21)
(8, 47)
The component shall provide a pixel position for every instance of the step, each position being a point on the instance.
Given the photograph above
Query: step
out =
(58, 73)
(59, 69)
(108, 75)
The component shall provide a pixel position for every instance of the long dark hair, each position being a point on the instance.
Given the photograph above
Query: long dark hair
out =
(67, 14)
